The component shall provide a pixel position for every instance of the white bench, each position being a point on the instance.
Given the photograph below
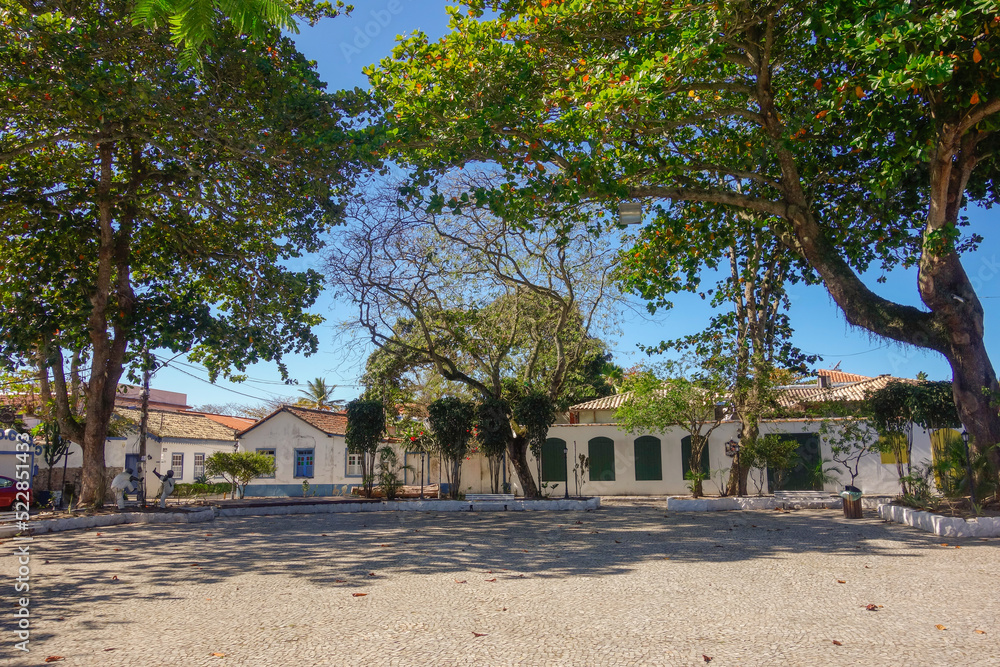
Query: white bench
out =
(808, 499)
(488, 497)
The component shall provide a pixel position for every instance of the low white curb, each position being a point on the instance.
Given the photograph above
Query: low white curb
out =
(416, 506)
(681, 504)
(945, 526)
(102, 520)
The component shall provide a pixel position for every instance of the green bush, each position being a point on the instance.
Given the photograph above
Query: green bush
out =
(195, 490)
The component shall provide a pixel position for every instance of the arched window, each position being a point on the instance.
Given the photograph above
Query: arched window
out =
(648, 461)
(602, 459)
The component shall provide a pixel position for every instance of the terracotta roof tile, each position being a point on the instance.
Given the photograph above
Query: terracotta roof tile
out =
(331, 423)
(238, 423)
(171, 424)
(840, 376)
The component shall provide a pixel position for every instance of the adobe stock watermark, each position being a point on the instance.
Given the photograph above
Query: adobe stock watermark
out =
(363, 35)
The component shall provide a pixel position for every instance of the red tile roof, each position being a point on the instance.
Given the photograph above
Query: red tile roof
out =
(331, 423)
(840, 376)
(238, 423)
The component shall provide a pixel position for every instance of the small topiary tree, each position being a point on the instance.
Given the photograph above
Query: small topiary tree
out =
(365, 431)
(535, 413)
(451, 421)
(493, 432)
(239, 468)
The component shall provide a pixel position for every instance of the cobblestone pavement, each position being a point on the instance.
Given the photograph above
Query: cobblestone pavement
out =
(626, 584)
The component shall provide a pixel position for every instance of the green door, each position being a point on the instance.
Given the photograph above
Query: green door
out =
(802, 476)
(553, 461)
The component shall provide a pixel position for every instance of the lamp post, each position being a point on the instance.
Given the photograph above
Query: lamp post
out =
(968, 469)
(566, 468)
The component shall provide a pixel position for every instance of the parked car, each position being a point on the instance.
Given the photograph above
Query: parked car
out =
(8, 493)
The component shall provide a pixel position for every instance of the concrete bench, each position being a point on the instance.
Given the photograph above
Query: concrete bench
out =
(489, 497)
(808, 499)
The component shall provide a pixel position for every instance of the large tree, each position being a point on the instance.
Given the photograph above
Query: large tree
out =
(497, 308)
(749, 336)
(863, 128)
(143, 202)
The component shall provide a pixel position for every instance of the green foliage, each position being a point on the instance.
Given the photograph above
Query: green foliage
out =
(850, 439)
(856, 132)
(677, 395)
(534, 413)
(319, 395)
(951, 471)
(145, 202)
(493, 433)
(365, 432)
(194, 23)
(389, 481)
(451, 422)
(769, 451)
(200, 489)
(240, 468)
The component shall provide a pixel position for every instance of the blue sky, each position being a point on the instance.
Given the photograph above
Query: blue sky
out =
(343, 46)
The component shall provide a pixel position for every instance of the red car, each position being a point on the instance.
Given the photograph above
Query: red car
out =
(8, 493)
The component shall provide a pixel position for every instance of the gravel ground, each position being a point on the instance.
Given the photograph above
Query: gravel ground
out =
(626, 584)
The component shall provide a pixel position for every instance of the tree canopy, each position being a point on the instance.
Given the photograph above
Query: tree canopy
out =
(145, 202)
(860, 129)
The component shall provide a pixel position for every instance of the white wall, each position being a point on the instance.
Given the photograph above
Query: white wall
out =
(874, 476)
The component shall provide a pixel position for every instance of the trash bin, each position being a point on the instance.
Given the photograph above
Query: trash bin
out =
(852, 502)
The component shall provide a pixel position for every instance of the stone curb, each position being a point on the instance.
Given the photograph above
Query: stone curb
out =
(944, 526)
(417, 506)
(682, 504)
(102, 520)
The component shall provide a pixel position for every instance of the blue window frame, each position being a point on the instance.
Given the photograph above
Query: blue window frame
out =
(304, 460)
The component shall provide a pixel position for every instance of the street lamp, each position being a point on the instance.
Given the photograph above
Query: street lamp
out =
(629, 213)
(566, 468)
(968, 469)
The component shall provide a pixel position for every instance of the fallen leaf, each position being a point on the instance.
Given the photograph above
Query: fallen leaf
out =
(61, 618)
(980, 632)
(706, 658)
(339, 581)
(940, 627)
(463, 581)
(524, 550)
(818, 84)
(371, 574)
(957, 547)
(579, 523)
(491, 580)
(116, 549)
(359, 595)
(208, 534)
(114, 578)
(944, 544)
(54, 658)
(618, 541)
(836, 643)
(219, 655)
(324, 535)
(109, 649)
(195, 565)
(479, 634)
(871, 607)
(98, 534)
(841, 581)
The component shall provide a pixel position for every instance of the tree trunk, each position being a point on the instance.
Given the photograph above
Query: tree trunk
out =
(517, 448)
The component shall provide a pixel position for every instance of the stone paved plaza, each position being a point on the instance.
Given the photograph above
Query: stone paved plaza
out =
(626, 584)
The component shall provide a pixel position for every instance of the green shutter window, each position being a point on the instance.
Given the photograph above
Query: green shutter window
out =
(602, 459)
(648, 464)
(686, 456)
(553, 465)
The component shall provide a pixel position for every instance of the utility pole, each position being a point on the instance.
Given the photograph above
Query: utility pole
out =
(143, 423)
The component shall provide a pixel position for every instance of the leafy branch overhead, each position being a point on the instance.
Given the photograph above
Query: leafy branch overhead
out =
(857, 130)
(193, 24)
